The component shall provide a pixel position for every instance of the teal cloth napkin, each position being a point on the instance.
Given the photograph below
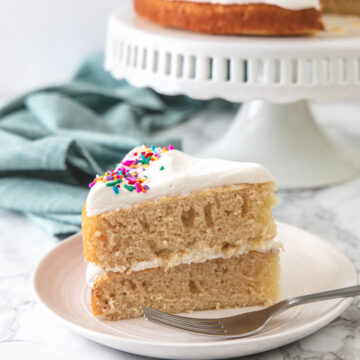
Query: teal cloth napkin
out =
(54, 140)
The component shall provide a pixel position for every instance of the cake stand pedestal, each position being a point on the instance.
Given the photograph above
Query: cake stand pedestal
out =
(273, 77)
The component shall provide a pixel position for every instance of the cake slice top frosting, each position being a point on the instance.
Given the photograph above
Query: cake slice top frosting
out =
(148, 173)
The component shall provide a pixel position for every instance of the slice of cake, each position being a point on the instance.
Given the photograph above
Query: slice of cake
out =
(254, 17)
(176, 233)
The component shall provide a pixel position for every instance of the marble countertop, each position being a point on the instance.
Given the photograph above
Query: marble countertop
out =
(27, 332)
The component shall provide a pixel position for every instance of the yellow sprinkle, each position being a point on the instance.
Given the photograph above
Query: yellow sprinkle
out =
(115, 177)
(133, 166)
(104, 180)
(146, 166)
(106, 174)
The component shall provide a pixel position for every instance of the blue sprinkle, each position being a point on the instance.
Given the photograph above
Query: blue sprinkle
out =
(143, 157)
(153, 148)
(116, 190)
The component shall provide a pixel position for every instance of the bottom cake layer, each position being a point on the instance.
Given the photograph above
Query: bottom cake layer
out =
(249, 279)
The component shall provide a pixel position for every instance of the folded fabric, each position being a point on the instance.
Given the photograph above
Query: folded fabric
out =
(54, 140)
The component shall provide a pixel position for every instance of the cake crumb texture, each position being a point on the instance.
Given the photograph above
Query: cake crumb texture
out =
(346, 7)
(249, 279)
(224, 219)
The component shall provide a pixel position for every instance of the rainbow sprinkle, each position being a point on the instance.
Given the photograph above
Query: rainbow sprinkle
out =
(129, 173)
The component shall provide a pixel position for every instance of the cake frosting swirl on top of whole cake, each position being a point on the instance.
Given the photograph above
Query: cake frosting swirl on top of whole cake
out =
(149, 173)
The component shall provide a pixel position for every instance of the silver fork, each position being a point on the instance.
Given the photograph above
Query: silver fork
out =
(242, 325)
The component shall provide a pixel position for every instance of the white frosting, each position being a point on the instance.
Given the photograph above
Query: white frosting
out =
(286, 4)
(182, 174)
(93, 271)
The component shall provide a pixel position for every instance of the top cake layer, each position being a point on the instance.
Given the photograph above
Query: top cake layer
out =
(148, 173)
(285, 4)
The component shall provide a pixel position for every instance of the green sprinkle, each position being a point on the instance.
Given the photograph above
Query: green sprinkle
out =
(129, 187)
(145, 177)
(113, 183)
(145, 160)
(162, 168)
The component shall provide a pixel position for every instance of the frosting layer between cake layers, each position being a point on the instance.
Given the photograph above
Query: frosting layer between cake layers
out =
(174, 173)
(286, 4)
(93, 270)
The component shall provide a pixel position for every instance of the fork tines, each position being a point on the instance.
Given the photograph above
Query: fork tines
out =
(196, 325)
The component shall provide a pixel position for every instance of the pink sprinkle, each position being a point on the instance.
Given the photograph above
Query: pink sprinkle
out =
(129, 178)
(128, 162)
(138, 188)
(91, 184)
(170, 147)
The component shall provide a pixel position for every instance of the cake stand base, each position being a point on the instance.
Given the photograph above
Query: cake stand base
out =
(286, 139)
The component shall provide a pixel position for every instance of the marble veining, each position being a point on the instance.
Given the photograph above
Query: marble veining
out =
(28, 332)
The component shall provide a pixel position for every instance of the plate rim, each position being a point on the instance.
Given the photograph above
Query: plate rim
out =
(305, 330)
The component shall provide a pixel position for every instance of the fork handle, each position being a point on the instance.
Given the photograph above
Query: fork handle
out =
(326, 295)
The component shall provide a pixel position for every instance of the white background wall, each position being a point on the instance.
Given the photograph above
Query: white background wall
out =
(42, 41)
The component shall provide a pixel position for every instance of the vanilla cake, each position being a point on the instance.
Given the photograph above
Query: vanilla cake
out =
(253, 17)
(176, 233)
(347, 7)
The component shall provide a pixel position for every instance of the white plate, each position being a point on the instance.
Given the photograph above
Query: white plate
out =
(308, 263)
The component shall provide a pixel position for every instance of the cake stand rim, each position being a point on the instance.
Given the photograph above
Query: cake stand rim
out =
(124, 24)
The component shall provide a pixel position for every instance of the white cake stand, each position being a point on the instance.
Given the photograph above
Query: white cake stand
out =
(274, 77)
